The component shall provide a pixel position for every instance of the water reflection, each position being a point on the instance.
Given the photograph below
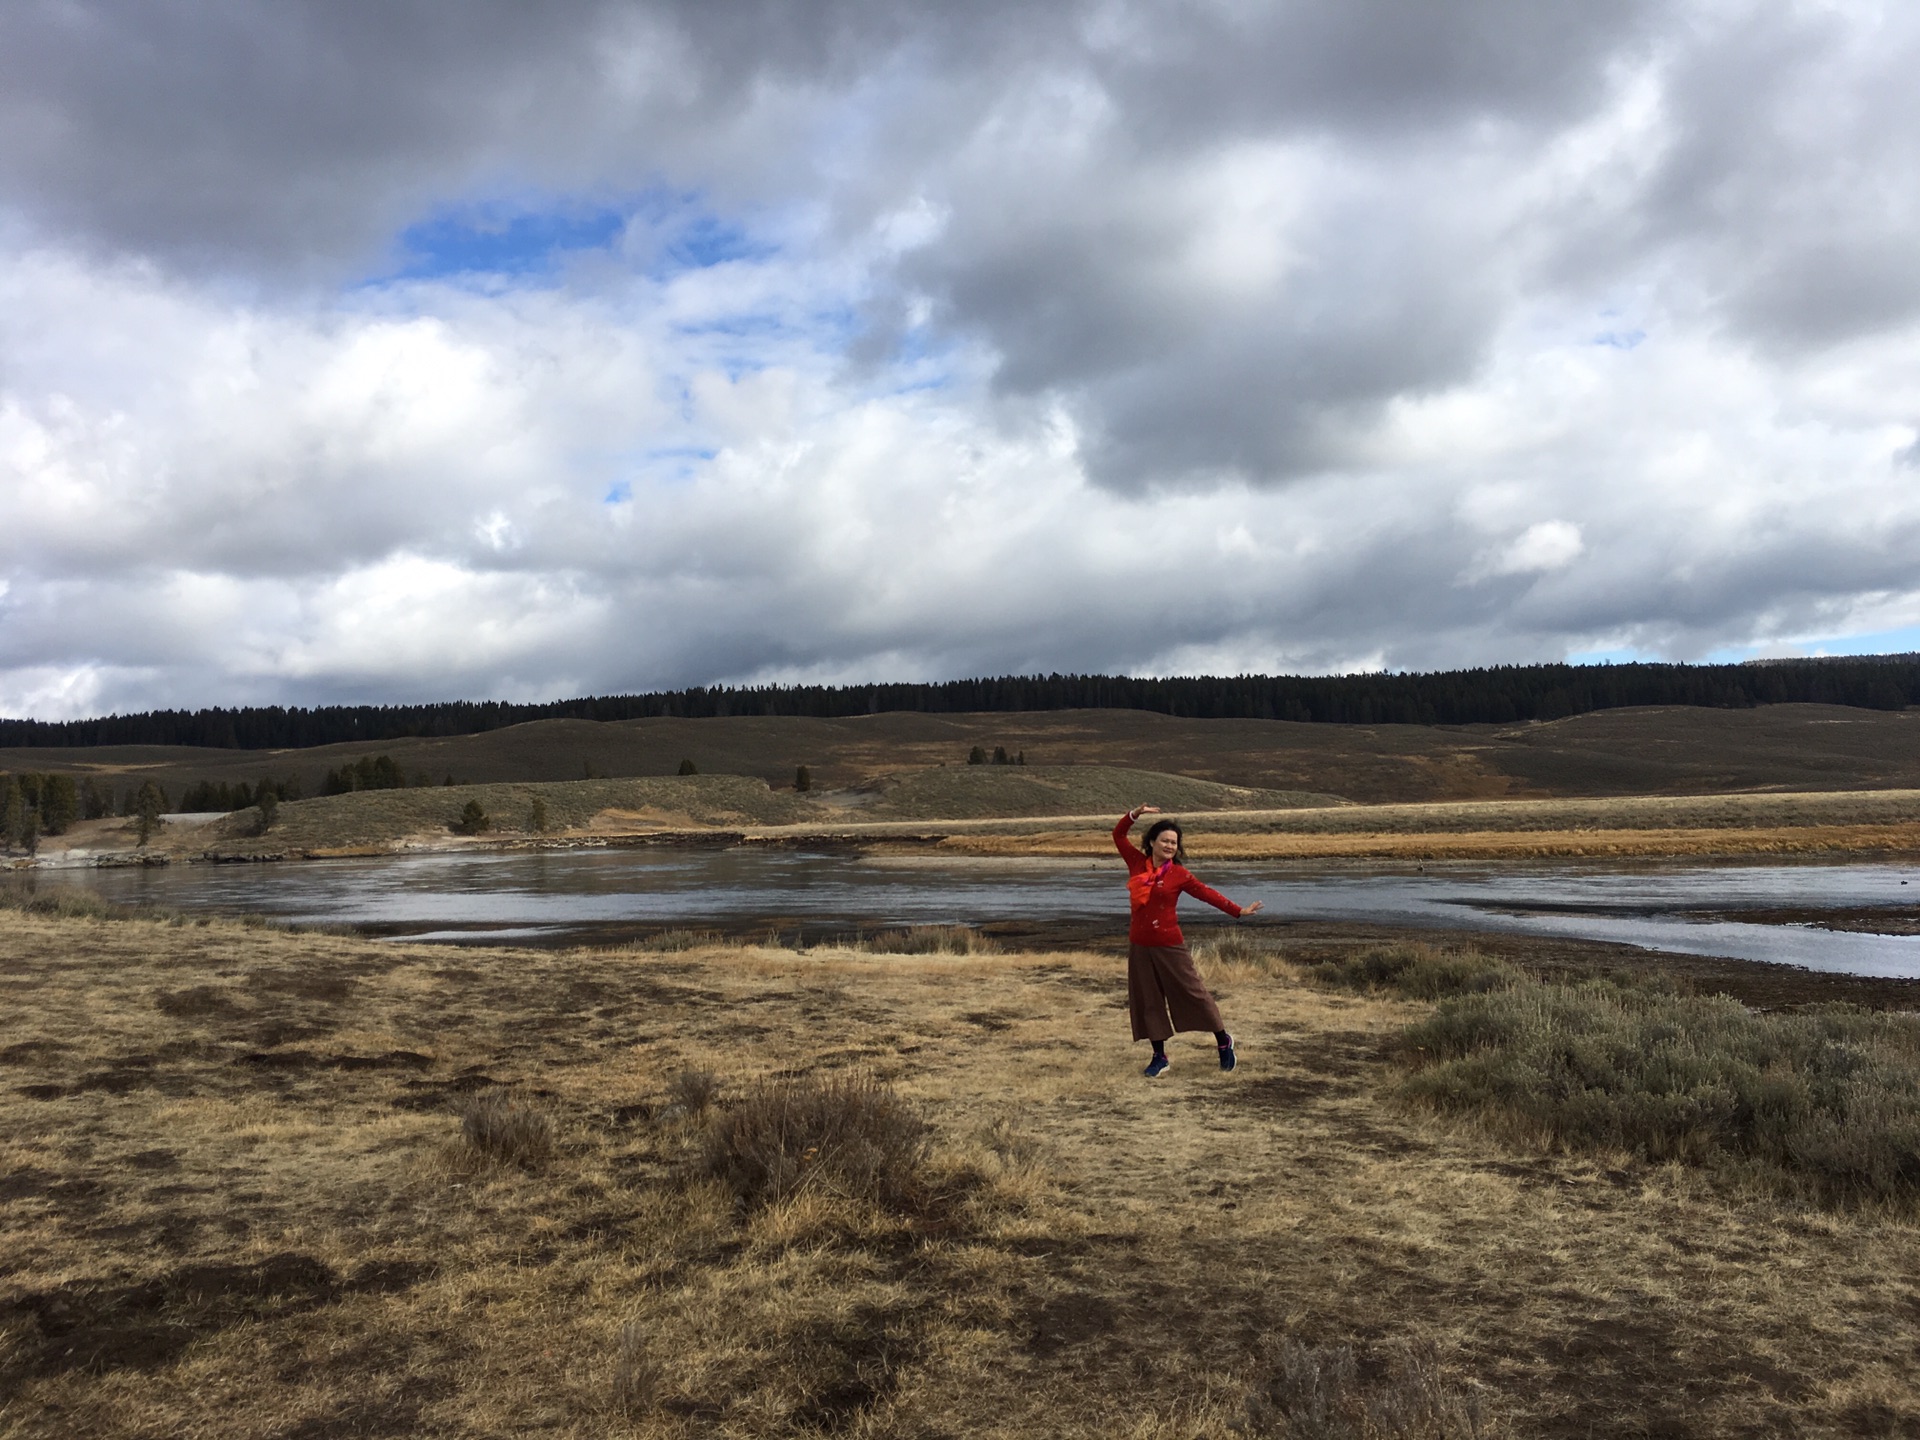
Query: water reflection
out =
(505, 896)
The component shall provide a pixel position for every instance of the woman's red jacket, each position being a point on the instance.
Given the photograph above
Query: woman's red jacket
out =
(1155, 891)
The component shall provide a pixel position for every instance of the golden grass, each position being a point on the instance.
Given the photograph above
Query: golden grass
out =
(235, 1201)
(993, 810)
(1489, 844)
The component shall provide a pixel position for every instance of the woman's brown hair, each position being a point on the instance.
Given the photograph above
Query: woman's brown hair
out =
(1160, 827)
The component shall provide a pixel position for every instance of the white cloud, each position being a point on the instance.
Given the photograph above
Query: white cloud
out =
(1549, 545)
(1134, 338)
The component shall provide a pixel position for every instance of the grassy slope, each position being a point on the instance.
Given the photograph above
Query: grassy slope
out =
(234, 1185)
(974, 792)
(1621, 752)
(372, 818)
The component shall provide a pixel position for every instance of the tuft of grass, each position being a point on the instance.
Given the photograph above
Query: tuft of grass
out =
(504, 1131)
(846, 1135)
(1823, 1102)
(639, 1378)
(67, 902)
(932, 940)
(1317, 1393)
(1238, 950)
(694, 1092)
(1416, 970)
(669, 942)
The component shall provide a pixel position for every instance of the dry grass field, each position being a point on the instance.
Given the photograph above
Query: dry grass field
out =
(1009, 810)
(1652, 751)
(1791, 824)
(246, 1189)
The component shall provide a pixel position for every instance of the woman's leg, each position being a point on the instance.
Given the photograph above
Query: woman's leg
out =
(1146, 999)
(1188, 1002)
(1157, 1062)
(1147, 1006)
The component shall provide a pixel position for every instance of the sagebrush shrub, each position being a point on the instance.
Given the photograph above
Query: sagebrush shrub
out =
(848, 1135)
(68, 902)
(932, 940)
(501, 1129)
(694, 1091)
(1417, 971)
(1824, 1102)
(1236, 948)
(670, 941)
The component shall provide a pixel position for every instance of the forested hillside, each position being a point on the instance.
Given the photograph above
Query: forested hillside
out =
(1498, 695)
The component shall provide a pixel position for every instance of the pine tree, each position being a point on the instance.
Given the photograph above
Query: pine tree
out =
(687, 767)
(148, 804)
(803, 779)
(537, 816)
(976, 756)
(473, 820)
(999, 754)
(269, 806)
(59, 803)
(13, 813)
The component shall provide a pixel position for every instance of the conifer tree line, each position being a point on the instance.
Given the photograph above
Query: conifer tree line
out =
(1495, 695)
(33, 804)
(219, 795)
(375, 772)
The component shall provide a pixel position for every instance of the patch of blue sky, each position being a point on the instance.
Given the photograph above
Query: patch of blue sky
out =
(701, 241)
(680, 462)
(660, 232)
(501, 240)
(1620, 339)
(665, 464)
(754, 325)
(1902, 641)
(918, 344)
(923, 359)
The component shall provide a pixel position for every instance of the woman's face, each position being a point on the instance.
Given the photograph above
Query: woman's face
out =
(1166, 845)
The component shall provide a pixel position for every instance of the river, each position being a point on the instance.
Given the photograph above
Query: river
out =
(502, 897)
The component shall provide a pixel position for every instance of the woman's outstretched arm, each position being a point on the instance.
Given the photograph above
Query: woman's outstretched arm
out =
(1121, 843)
(1219, 902)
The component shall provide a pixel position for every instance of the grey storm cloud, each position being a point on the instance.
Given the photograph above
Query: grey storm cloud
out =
(1396, 333)
(301, 137)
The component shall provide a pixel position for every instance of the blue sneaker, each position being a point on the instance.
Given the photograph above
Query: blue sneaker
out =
(1156, 1067)
(1226, 1054)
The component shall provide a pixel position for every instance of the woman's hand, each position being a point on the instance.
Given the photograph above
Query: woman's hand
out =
(1246, 910)
(1139, 810)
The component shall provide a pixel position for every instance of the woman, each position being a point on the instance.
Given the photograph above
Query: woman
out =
(1164, 991)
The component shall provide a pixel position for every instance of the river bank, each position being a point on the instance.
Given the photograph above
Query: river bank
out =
(722, 811)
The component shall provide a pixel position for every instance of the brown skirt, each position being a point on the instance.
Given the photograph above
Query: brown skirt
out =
(1165, 993)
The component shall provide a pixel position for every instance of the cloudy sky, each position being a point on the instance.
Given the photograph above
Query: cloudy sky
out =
(413, 349)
